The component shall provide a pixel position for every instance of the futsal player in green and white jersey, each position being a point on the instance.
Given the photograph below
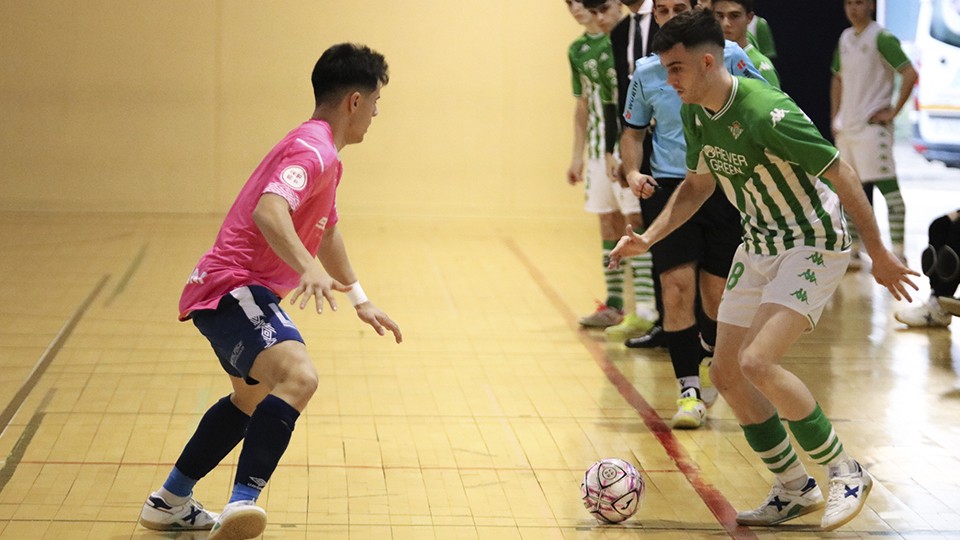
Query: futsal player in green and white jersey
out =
(596, 131)
(772, 163)
(864, 64)
(758, 33)
(735, 16)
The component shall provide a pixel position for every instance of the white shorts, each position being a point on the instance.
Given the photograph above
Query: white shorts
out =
(802, 279)
(603, 196)
(869, 151)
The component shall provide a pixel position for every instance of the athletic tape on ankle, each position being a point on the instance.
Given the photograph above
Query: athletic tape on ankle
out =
(356, 294)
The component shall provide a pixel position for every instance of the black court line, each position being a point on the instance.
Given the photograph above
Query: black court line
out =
(47, 357)
(125, 278)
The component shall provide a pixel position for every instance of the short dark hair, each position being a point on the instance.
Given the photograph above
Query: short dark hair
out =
(347, 66)
(747, 4)
(592, 4)
(693, 3)
(692, 29)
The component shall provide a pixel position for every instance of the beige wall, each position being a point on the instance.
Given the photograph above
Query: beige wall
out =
(168, 105)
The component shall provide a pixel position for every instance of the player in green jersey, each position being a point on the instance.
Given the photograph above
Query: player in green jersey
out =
(771, 162)
(735, 16)
(864, 65)
(758, 33)
(596, 131)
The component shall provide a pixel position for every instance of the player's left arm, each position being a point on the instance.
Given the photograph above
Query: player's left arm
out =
(790, 134)
(887, 269)
(892, 52)
(332, 254)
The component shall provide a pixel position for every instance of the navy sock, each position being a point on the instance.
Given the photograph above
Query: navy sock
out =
(684, 347)
(267, 437)
(219, 431)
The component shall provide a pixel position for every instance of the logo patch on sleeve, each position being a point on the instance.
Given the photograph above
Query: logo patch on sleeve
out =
(294, 176)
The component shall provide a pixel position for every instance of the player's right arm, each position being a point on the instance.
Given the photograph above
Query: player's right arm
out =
(695, 189)
(631, 155)
(272, 216)
(637, 116)
(575, 172)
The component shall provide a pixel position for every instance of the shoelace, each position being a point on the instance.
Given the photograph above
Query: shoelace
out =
(837, 490)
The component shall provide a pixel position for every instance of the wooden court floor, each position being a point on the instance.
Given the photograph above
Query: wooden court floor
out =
(478, 426)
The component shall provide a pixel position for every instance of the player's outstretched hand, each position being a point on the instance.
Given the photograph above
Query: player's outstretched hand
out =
(379, 320)
(892, 274)
(314, 282)
(631, 244)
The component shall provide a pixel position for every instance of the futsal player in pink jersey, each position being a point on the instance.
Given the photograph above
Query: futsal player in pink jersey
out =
(279, 237)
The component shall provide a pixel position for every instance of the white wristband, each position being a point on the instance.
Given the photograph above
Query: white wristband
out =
(356, 294)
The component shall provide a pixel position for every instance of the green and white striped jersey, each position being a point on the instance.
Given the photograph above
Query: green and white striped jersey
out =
(594, 76)
(763, 64)
(767, 157)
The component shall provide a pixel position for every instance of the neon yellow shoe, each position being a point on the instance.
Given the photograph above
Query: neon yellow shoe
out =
(691, 412)
(708, 392)
(632, 325)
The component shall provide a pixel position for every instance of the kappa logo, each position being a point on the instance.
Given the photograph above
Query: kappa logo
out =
(777, 115)
(196, 278)
(736, 130)
(294, 176)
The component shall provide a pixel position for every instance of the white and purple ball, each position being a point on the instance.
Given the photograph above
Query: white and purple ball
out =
(612, 490)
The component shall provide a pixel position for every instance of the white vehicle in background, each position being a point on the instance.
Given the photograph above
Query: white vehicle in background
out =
(936, 128)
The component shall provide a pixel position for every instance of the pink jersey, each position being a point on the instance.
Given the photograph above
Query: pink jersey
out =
(304, 168)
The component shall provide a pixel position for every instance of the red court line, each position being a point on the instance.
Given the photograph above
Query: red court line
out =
(719, 506)
(376, 467)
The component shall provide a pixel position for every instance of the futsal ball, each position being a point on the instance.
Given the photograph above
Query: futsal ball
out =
(612, 490)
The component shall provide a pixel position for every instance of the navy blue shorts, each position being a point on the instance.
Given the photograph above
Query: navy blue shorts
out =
(246, 321)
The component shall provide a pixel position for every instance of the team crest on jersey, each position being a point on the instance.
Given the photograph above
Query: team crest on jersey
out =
(736, 130)
(294, 176)
(777, 115)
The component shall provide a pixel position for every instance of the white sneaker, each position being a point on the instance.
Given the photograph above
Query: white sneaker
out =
(708, 392)
(691, 412)
(159, 515)
(928, 315)
(784, 504)
(238, 521)
(950, 305)
(849, 487)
